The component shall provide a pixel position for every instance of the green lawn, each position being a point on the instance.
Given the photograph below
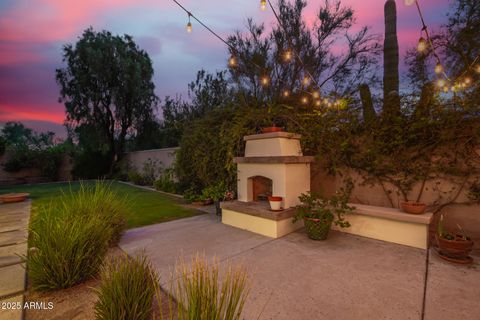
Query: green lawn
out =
(145, 207)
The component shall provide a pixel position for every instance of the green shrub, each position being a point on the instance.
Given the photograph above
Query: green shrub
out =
(127, 289)
(135, 177)
(166, 182)
(66, 248)
(201, 295)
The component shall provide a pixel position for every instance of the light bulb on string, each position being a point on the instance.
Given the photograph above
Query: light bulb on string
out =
(304, 100)
(287, 56)
(422, 45)
(477, 68)
(263, 5)
(189, 24)
(467, 81)
(232, 62)
(286, 93)
(445, 89)
(438, 68)
(265, 80)
(316, 94)
(409, 2)
(326, 101)
(441, 83)
(306, 81)
(318, 103)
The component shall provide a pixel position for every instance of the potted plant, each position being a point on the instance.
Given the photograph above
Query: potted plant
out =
(453, 246)
(216, 193)
(413, 207)
(275, 203)
(319, 213)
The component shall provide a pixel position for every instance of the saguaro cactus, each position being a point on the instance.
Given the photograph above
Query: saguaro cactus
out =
(391, 99)
(391, 83)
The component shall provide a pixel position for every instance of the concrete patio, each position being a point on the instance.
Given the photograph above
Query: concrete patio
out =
(345, 277)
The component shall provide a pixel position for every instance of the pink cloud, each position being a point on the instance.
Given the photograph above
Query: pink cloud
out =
(29, 112)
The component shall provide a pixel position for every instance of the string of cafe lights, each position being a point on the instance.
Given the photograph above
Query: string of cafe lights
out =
(288, 56)
(444, 82)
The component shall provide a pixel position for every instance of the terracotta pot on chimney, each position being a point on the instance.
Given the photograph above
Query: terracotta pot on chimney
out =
(275, 203)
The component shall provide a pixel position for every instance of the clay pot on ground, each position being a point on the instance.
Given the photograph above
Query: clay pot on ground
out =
(457, 248)
(271, 129)
(317, 229)
(13, 197)
(413, 207)
(275, 203)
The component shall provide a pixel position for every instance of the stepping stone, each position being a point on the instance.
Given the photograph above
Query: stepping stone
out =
(11, 226)
(13, 237)
(9, 260)
(12, 313)
(12, 280)
(14, 250)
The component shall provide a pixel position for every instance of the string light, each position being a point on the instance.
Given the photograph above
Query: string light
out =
(316, 94)
(265, 80)
(422, 45)
(306, 81)
(287, 55)
(189, 24)
(232, 62)
(318, 103)
(304, 100)
(477, 68)
(409, 2)
(445, 89)
(441, 83)
(286, 93)
(467, 81)
(263, 5)
(438, 68)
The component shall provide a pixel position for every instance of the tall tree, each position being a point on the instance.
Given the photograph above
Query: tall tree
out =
(274, 55)
(106, 86)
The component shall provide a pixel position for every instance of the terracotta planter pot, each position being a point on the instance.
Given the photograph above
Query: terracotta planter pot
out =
(456, 248)
(317, 229)
(413, 207)
(275, 203)
(271, 129)
(13, 197)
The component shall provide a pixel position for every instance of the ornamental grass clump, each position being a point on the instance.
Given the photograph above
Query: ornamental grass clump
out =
(70, 236)
(201, 294)
(63, 250)
(98, 200)
(127, 289)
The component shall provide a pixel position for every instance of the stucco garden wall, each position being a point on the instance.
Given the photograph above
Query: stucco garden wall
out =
(468, 216)
(163, 157)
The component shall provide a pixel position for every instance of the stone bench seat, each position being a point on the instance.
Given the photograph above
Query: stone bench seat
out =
(389, 224)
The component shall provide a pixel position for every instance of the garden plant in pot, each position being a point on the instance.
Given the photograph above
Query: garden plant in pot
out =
(453, 246)
(319, 213)
(217, 193)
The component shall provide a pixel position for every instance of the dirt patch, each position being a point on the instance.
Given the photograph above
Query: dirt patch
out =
(77, 303)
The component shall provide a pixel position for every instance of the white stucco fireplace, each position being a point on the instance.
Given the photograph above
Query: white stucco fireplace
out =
(273, 165)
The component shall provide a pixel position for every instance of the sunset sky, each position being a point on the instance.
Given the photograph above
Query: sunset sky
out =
(32, 33)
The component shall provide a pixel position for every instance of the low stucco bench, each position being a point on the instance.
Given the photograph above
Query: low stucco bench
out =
(389, 224)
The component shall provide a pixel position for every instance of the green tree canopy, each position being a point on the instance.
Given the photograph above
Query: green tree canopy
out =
(106, 87)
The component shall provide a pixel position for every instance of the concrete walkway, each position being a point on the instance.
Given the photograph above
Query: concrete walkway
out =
(13, 243)
(345, 277)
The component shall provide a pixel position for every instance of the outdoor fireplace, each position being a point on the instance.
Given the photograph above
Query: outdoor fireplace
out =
(273, 165)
